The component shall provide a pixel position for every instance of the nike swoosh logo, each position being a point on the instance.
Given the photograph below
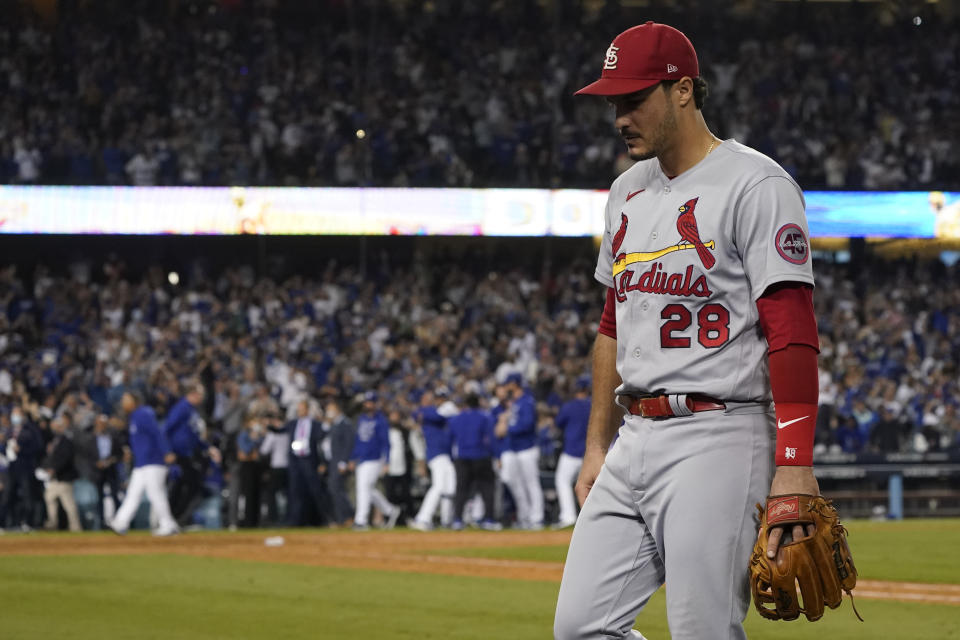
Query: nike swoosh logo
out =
(630, 195)
(781, 425)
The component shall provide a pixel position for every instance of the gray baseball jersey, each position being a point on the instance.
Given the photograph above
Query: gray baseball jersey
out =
(673, 503)
(688, 258)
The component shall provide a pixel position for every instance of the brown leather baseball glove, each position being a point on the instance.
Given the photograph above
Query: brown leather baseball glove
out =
(820, 563)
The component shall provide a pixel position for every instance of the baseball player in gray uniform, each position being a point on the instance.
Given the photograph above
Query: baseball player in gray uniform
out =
(705, 360)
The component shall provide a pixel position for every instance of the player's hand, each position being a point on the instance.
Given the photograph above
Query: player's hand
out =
(786, 481)
(322, 469)
(170, 458)
(352, 466)
(592, 463)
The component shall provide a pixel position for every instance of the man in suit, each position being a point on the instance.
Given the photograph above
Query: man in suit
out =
(109, 451)
(306, 467)
(24, 445)
(342, 435)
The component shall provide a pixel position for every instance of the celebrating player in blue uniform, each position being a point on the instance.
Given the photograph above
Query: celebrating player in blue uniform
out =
(572, 422)
(151, 452)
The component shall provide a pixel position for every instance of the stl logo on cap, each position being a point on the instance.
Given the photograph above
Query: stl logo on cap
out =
(611, 60)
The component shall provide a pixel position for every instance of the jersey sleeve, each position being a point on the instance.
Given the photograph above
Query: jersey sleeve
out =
(175, 418)
(604, 272)
(772, 235)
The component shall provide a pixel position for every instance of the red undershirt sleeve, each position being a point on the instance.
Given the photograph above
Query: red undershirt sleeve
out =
(608, 321)
(790, 326)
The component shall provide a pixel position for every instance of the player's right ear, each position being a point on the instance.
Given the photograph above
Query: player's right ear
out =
(682, 91)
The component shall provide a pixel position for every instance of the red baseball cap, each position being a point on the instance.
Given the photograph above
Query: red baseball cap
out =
(642, 56)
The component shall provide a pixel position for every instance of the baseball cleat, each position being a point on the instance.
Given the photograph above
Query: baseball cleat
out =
(457, 525)
(392, 519)
(491, 525)
(419, 526)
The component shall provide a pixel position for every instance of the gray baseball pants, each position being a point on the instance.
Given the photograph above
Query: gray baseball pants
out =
(673, 503)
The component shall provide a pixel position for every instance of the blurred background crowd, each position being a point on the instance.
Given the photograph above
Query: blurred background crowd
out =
(420, 94)
(267, 351)
(458, 94)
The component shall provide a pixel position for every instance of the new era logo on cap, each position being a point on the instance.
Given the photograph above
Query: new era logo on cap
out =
(642, 56)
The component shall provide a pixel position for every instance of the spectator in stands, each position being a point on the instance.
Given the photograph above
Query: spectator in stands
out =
(60, 472)
(121, 120)
(889, 336)
(849, 436)
(889, 434)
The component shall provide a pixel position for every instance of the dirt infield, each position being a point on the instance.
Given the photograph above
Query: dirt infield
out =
(394, 551)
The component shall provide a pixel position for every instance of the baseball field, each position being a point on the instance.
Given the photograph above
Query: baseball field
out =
(405, 584)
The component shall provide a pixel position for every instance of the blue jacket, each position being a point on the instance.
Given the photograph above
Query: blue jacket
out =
(435, 432)
(522, 430)
(572, 421)
(147, 442)
(180, 431)
(499, 444)
(472, 434)
(373, 438)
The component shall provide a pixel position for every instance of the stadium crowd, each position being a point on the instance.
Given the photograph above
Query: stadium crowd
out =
(266, 388)
(259, 92)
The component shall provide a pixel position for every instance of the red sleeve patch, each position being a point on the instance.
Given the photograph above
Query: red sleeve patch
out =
(792, 244)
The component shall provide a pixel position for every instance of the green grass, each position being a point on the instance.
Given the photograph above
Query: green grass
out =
(932, 550)
(190, 598)
(186, 598)
(537, 553)
(157, 596)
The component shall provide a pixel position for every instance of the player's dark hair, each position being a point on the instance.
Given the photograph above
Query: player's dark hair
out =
(700, 90)
(472, 401)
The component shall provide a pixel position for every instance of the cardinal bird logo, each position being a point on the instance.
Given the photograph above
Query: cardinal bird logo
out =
(687, 226)
(619, 235)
